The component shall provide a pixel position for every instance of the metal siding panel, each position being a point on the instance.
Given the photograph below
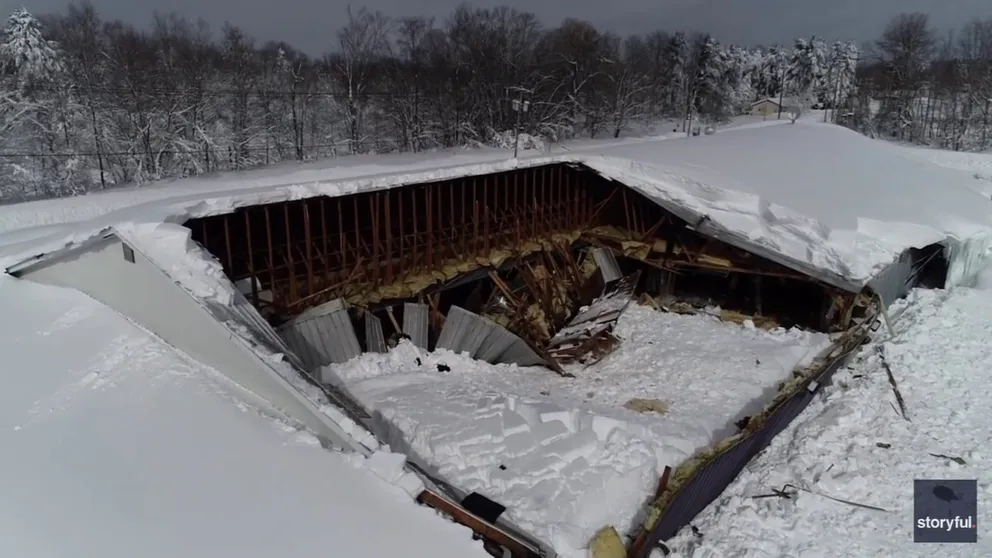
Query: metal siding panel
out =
(607, 264)
(415, 323)
(305, 338)
(495, 345)
(375, 341)
(894, 282)
(312, 336)
(341, 330)
(328, 345)
(453, 329)
(472, 342)
(521, 354)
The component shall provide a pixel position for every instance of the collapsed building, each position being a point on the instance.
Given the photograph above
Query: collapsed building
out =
(498, 265)
(526, 263)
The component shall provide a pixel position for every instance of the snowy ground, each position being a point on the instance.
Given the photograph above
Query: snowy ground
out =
(940, 358)
(114, 445)
(563, 454)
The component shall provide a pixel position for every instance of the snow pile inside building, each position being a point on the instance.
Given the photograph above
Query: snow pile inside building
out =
(569, 455)
(117, 445)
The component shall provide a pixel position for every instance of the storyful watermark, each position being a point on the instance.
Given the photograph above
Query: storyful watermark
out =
(945, 511)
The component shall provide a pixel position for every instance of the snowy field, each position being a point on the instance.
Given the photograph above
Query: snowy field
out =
(115, 445)
(852, 444)
(564, 454)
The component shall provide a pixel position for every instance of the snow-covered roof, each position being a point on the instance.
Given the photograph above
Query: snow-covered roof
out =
(739, 219)
(125, 447)
(837, 205)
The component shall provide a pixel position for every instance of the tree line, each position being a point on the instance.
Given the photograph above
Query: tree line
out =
(924, 87)
(87, 103)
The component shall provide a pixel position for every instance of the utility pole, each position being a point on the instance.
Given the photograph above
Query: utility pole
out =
(520, 106)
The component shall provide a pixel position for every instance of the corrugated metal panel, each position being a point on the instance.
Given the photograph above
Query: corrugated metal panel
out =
(322, 338)
(321, 310)
(896, 280)
(607, 264)
(484, 339)
(415, 323)
(495, 345)
(456, 324)
(520, 354)
(375, 342)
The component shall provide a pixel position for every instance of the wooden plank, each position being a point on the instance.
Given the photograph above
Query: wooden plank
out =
(464, 517)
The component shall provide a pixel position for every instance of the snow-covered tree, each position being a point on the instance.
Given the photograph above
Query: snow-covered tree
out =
(32, 60)
(842, 64)
(807, 68)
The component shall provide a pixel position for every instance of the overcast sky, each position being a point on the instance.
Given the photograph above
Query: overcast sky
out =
(310, 24)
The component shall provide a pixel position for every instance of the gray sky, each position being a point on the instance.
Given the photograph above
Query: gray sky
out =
(310, 24)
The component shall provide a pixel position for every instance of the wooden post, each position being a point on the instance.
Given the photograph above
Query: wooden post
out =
(289, 254)
(227, 247)
(475, 218)
(429, 200)
(342, 240)
(272, 255)
(325, 240)
(374, 208)
(308, 253)
(516, 204)
(413, 207)
(485, 211)
(251, 260)
(389, 236)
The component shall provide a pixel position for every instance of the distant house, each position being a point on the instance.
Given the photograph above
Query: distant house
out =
(769, 107)
(765, 107)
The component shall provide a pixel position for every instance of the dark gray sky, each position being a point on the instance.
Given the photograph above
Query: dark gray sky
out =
(311, 24)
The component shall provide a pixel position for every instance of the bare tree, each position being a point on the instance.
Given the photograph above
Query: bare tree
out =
(363, 45)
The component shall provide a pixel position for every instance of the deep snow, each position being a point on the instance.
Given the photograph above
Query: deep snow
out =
(940, 358)
(115, 445)
(564, 454)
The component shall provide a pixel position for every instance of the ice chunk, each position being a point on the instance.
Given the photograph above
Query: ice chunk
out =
(514, 422)
(577, 446)
(547, 432)
(569, 418)
(520, 443)
(387, 465)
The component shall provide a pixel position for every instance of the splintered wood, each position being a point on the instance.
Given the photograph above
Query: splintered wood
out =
(588, 337)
